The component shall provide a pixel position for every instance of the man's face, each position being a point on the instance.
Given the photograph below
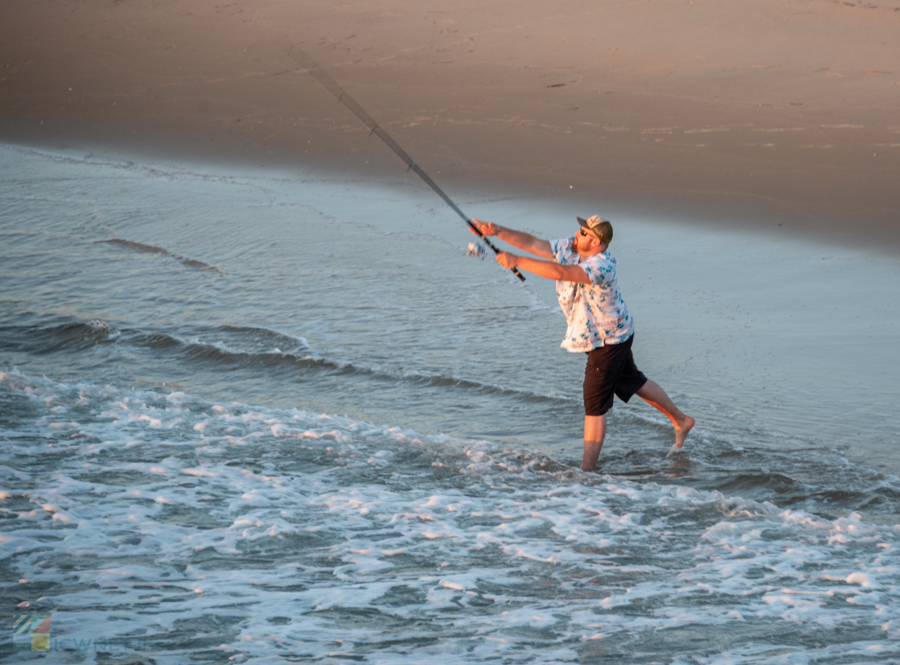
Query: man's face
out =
(585, 241)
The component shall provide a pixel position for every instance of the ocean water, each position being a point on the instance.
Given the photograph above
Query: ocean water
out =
(283, 417)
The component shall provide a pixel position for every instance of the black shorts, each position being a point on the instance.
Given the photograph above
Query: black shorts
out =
(610, 371)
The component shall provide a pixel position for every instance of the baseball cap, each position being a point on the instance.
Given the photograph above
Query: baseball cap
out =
(599, 227)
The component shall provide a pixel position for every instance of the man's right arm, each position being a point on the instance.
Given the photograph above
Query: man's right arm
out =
(520, 239)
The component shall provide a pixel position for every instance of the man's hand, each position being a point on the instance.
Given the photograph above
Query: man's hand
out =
(486, 228)
(541, 268)
(519, 239)
(507, 260)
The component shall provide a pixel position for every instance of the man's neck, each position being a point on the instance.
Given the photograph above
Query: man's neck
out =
(599, 250)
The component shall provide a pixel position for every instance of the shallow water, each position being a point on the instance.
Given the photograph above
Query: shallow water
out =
(285, 418)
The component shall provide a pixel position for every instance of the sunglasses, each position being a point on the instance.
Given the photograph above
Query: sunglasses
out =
(587, 234)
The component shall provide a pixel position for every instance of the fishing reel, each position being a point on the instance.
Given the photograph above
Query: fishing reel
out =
(476, 249)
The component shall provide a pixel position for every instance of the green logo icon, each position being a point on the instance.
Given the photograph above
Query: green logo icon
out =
(31, 632)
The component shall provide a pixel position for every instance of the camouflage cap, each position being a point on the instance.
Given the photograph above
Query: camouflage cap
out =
(599, 227)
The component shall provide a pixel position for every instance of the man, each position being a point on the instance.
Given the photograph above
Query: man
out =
(599, 323)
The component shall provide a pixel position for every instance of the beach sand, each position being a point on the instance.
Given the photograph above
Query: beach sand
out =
(777, 114)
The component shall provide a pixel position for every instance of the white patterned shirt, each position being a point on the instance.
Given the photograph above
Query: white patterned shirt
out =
(595, 313)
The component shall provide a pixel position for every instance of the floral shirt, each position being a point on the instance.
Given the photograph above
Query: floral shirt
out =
(595, 313)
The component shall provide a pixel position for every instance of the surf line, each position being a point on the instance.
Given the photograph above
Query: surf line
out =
(307, 63)
(152, 249)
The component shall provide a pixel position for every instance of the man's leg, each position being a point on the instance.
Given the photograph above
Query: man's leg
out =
(594, 432)
(655, 396)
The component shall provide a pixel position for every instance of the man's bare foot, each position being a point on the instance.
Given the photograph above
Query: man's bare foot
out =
(681, 432)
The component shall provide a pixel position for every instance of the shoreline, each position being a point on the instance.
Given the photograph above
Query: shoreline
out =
(680, 108)
(703, 215)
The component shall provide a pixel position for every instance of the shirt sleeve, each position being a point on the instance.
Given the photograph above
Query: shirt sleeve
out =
(560, 249)
(600, 272)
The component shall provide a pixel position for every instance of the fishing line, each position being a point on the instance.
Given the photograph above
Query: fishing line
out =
(302, 59)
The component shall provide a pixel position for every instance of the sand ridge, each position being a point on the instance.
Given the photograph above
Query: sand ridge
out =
(782, 113)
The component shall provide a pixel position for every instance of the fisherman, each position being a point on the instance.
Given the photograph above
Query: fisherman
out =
(599, 323)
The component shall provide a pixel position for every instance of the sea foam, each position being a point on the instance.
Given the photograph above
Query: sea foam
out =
(272, 533)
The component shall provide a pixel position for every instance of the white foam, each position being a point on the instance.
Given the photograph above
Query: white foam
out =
(290, 517)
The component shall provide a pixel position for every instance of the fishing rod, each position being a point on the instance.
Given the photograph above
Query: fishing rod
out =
(302, 59)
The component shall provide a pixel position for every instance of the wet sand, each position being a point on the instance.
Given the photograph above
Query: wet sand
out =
(781, 115)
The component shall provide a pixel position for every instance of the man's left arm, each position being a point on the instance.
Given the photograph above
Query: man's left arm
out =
(541, 268)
